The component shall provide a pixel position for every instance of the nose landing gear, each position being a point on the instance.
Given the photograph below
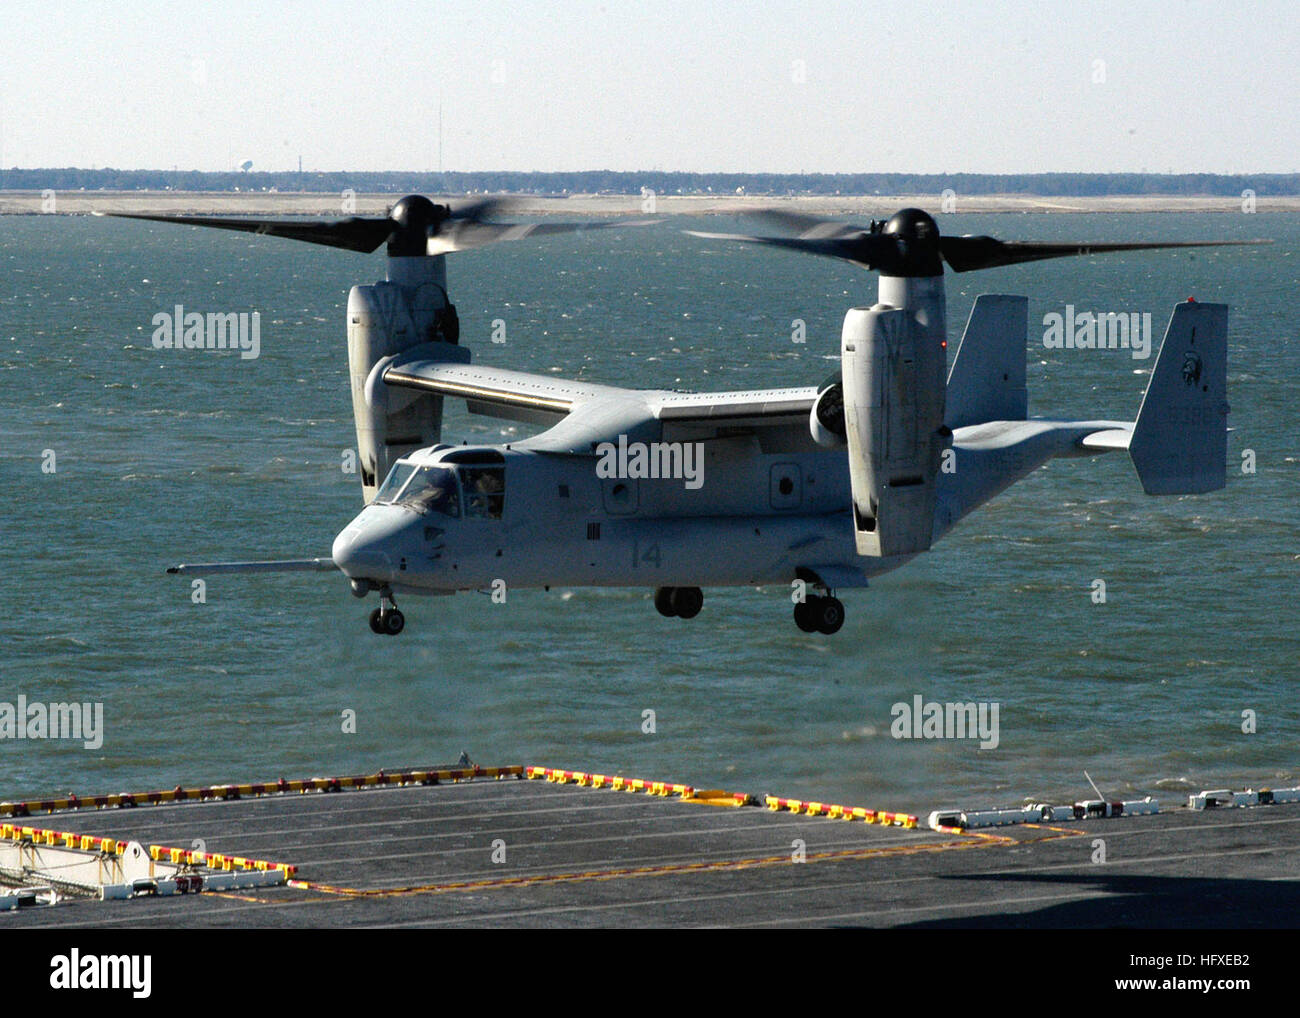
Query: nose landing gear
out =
(386, 620)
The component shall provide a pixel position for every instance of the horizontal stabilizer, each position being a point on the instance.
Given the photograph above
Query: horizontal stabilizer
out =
(1112, 439)
(301, 565)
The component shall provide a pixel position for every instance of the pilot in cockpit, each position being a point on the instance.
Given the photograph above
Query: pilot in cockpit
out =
(432, 489)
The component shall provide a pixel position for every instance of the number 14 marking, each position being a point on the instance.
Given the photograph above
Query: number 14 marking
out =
(651, 555)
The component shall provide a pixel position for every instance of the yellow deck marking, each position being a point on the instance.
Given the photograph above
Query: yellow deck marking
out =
(975, 841)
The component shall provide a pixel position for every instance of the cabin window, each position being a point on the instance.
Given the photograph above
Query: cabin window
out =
(485, 491)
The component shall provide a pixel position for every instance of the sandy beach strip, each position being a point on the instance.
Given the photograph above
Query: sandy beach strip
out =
(320, 204)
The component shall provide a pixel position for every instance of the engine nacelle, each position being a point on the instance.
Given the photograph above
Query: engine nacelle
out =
(893, 374)
(386, 319)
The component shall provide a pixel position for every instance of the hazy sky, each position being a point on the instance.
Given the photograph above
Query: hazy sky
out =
(783, 87)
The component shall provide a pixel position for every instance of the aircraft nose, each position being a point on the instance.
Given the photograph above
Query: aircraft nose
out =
(368, 548)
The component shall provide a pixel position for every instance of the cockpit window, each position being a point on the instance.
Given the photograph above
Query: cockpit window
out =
(432, 489)
(397, 477)
(485, 491)
(421, 488)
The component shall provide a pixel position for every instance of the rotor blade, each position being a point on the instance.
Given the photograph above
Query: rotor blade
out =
(459, 234)
(359, 233)
(301, 565)
(482, 208)
(868, 250)
(964, 254)
(807, 227)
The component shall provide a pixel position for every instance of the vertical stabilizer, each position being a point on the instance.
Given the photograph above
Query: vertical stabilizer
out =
(1180, 439)
(987, 381)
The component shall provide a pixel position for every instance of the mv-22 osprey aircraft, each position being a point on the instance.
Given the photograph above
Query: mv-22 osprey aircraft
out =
(819, 487)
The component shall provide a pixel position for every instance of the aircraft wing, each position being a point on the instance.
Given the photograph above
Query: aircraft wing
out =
(581, 415)
(656, 415)
(755, 408)
(497, 392)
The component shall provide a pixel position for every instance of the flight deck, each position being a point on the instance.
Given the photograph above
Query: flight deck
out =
(540, 847)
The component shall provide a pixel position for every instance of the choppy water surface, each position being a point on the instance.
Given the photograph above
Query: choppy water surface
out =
(167, 456)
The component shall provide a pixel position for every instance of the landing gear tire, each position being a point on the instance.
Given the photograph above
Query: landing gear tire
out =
(829, 615)
(386, 620)
(664, 602)
(818, 614)
(805, 614)
(686, 602)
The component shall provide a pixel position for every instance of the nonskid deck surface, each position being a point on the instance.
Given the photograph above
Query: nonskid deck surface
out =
(535, 853)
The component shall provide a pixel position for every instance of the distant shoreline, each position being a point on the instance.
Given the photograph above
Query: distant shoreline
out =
(859, 206)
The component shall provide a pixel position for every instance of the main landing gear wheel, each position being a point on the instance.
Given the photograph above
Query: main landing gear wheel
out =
(829, 615)
(679, 602)
(803, 615)
(819, 615)
(386, 620)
